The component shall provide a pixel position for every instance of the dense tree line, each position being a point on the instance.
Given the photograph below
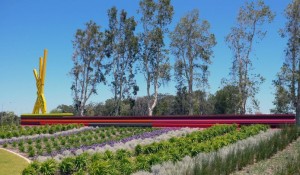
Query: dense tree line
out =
(115, 54)
(222, 102)
(9, 118)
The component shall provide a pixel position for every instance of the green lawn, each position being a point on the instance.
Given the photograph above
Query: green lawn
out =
(11, 164)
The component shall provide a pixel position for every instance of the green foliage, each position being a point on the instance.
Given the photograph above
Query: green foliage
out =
(249, 29)
(67, 166)
(9, 119)
(284, 100)
(49, 167)
(174, 149)
(287, 81)
(32, 168)
(63, 109)
(191, 43)
(155, 17)
(122, 47)
(48, 145)
(100, 167)
(15, 131)
(237, 159)
(226, 100)
(87, 64)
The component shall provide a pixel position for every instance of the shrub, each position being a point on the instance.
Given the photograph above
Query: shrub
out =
(31, 153)
(48, 167)
(100, 167)
(67, 166)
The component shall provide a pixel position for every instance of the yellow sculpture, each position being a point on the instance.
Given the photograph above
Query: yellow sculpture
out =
(40, 103)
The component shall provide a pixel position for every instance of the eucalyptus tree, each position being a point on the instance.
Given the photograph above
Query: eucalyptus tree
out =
(284, 100)
(155, 17)
(192, 43)
(122, 46)
(87, 71)
(290, 71)
(249, 30)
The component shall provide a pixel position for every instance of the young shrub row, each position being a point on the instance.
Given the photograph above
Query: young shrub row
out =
(125, 162)
(49, 146)
(17, 131)
(236, 159)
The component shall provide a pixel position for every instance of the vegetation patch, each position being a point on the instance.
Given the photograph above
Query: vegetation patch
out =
(9, 131)
(143, 157)
(283, 162)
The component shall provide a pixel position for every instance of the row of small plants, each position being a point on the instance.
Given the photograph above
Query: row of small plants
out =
(143, 157)
(17, 131)
(238, 158)
(292, 166)
(53, 145)
(128, 143)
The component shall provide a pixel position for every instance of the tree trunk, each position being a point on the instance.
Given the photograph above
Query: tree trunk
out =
(150, 112)
(190, 81)
(243, 110)
(298, 113)
(191, 109)
(81, 110)
(151, 107)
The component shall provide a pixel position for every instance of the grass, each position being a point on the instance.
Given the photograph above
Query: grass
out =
(11, 164)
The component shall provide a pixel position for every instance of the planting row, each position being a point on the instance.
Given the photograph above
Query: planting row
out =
(40, 136)
(234, 157)
(56, 144)
(17, 131)
(143, 157)
(128, 143)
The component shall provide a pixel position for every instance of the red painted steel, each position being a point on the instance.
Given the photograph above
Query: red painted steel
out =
(166, 121)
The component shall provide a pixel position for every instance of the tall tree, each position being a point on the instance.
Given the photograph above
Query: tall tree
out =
(225, 100)
(203, 103)
(87, 64)
(283, 100)
(250, 21)
(155, 64)
(192, 43)
(291, 67)
(181, 106)
(122, 46)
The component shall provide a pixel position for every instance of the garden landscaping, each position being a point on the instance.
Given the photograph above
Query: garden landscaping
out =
(77, 149)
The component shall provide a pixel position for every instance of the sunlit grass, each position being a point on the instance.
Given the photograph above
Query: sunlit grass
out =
(11, 164)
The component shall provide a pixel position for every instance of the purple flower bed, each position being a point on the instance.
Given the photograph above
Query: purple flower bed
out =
(113, 142)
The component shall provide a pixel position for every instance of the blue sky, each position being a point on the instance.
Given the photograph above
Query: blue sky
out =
(27, 27)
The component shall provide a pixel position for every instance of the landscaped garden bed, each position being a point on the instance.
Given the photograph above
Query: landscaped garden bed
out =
(9, 131)
(143, 157)
(54, 144)
(74, 149)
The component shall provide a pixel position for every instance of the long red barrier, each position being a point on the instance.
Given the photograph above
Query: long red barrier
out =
(162, 121)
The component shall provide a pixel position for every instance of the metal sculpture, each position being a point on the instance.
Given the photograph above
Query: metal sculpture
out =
(40, 103)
